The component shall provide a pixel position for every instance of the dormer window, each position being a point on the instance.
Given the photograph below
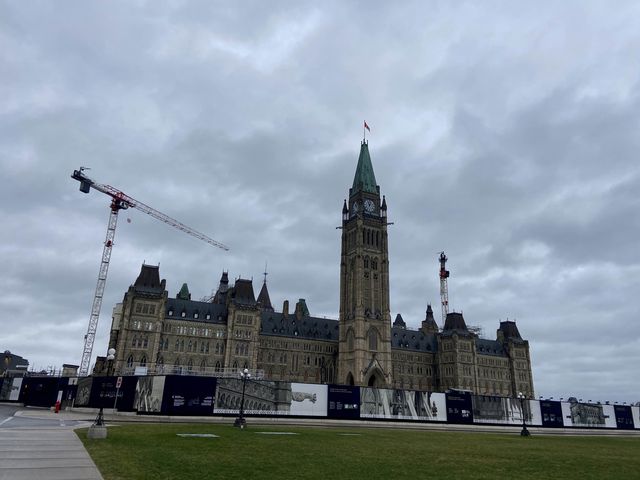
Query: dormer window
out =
(195, 315)
(170, 312)
(183, 314)
(208, 317)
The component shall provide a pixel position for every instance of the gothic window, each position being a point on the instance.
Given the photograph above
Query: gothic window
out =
(373, 339)
(145, 342)
(182, 345)
(350, 340)
(366, 262)
(201, 347)
(130, 361)
(143, 361)
(203, 365)
(177, 345)
(235, 365)
(218, 367)
(134, 342)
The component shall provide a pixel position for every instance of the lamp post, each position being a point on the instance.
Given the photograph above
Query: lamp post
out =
(111, 355)
(524, 432)
(240, 422)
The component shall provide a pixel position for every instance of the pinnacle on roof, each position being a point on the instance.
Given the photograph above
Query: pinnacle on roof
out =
(184, 294)
(429, 323)
(364, 179)
(399, 322)
(263, 298)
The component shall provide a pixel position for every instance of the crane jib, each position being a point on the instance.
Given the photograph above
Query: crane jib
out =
(120, 201)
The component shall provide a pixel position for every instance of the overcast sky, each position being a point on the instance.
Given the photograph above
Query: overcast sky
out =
(504, 133)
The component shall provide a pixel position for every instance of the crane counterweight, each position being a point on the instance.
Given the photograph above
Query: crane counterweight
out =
(119, 201)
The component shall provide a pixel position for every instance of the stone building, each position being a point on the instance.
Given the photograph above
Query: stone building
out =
(157, 333)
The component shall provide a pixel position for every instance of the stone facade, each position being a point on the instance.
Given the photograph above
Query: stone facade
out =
(236, 330)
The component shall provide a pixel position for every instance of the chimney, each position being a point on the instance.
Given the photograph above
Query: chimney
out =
(285, 309)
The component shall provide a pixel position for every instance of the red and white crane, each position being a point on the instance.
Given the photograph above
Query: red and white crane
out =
(444, 288)
(119, 201)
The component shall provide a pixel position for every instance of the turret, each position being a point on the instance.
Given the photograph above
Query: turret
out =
(429, 324)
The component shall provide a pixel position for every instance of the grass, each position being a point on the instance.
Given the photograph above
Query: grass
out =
(156, 452)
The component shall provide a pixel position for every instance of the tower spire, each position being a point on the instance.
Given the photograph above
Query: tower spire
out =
(364, 179)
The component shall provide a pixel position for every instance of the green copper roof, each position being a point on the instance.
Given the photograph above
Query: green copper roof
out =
(365, 179)
(184, 294)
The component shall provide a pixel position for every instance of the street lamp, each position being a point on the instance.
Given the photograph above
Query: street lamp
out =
(524, 432)
(240, 422)
(111, 355)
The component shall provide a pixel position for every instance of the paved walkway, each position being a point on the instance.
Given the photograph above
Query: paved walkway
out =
(44, 451)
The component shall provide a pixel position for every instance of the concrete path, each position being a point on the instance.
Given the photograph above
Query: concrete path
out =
(44, 451)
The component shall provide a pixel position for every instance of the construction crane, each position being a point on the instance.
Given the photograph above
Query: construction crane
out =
(119, 201)
(444, 288)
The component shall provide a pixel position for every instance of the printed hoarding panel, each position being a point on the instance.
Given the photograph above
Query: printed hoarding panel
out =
(551, 412)
(567, 418)
(83, 392)
(149, 393)
(308, 400)
(590, 415)
(402, 404)
(635, 413)
(459, 407)
(536, 414)
(260, 397)
(104, 391)
(624, 417)
(609, 416)
(188, 395)
(10, 391)
(344, 402)
(490, 409)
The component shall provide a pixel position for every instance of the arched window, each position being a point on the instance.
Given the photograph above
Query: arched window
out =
(190, 365)
(182, 345)
(143, 361)
(130, 361)
(134, 342)
(177, 344)
(235, 365)
(218, 367)
(190, 346)
(145, 342)
(203, 365)
(217, 348)
(366, 262)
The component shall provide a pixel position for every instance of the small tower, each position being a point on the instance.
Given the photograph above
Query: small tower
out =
(429, 324)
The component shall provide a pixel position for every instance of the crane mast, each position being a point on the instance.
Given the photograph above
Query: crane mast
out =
(444, 288)
(119, 201)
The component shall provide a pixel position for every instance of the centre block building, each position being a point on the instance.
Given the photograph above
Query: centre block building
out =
(158, 334)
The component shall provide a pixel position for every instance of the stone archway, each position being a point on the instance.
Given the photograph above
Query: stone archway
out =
(375, 379)
(349, 380)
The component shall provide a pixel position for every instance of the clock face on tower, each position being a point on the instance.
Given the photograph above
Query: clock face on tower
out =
(369, 206)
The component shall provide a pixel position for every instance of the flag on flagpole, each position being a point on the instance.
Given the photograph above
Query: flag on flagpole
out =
(366, 126)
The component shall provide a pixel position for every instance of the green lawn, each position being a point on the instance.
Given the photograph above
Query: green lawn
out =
(141, 451)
